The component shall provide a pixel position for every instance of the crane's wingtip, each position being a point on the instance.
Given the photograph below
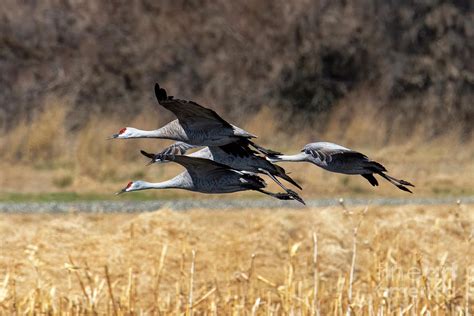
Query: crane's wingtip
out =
(160, 93)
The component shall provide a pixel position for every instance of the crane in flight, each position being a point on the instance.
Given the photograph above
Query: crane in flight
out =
(207, 176)
(335, 158)
(236, 155)
(195, 125)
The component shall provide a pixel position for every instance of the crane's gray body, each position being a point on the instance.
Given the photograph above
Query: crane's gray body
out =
(208, 176)
(204, 176)
(336, 158)
(331, 157)
(228, 182)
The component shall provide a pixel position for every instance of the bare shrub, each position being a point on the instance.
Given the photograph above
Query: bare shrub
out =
(302, 58)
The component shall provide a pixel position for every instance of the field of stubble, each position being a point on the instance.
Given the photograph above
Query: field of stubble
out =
(404, 260)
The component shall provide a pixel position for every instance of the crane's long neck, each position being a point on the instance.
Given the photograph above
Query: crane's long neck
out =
(290, 158)
(175, 183)
(173, 130)
(157, 133)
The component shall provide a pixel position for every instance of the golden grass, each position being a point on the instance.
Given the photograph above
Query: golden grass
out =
(410, 260)
(43, 139)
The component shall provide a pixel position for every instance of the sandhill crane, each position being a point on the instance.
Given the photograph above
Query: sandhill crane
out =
(235, 155)
(335, 158)
(207, 176)
(196, 125)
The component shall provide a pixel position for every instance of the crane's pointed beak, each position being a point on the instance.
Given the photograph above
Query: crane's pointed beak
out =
(120, 192)
(113, 136)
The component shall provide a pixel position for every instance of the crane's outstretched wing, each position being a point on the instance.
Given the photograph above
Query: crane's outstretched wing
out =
(239, 149)
(189, 112)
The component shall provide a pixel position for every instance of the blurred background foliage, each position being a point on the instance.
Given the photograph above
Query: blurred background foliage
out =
(298, 57)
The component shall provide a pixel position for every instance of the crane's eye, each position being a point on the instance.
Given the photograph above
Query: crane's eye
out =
(129, 185)
(122, 130)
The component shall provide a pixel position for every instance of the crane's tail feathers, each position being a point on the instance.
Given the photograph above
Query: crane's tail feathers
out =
(374, 166)
(370, 177)
(253, 182)
(398, 183)
(267, 152)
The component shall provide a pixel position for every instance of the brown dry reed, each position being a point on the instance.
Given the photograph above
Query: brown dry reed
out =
(49, 155)
(406, 260)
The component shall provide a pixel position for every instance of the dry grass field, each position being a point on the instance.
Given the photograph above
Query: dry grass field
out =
(405, 260)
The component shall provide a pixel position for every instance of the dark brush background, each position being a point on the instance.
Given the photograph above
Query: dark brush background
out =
(298, 57)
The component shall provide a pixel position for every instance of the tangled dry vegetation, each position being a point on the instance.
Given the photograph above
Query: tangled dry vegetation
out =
(305, 59)
(410, 260)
